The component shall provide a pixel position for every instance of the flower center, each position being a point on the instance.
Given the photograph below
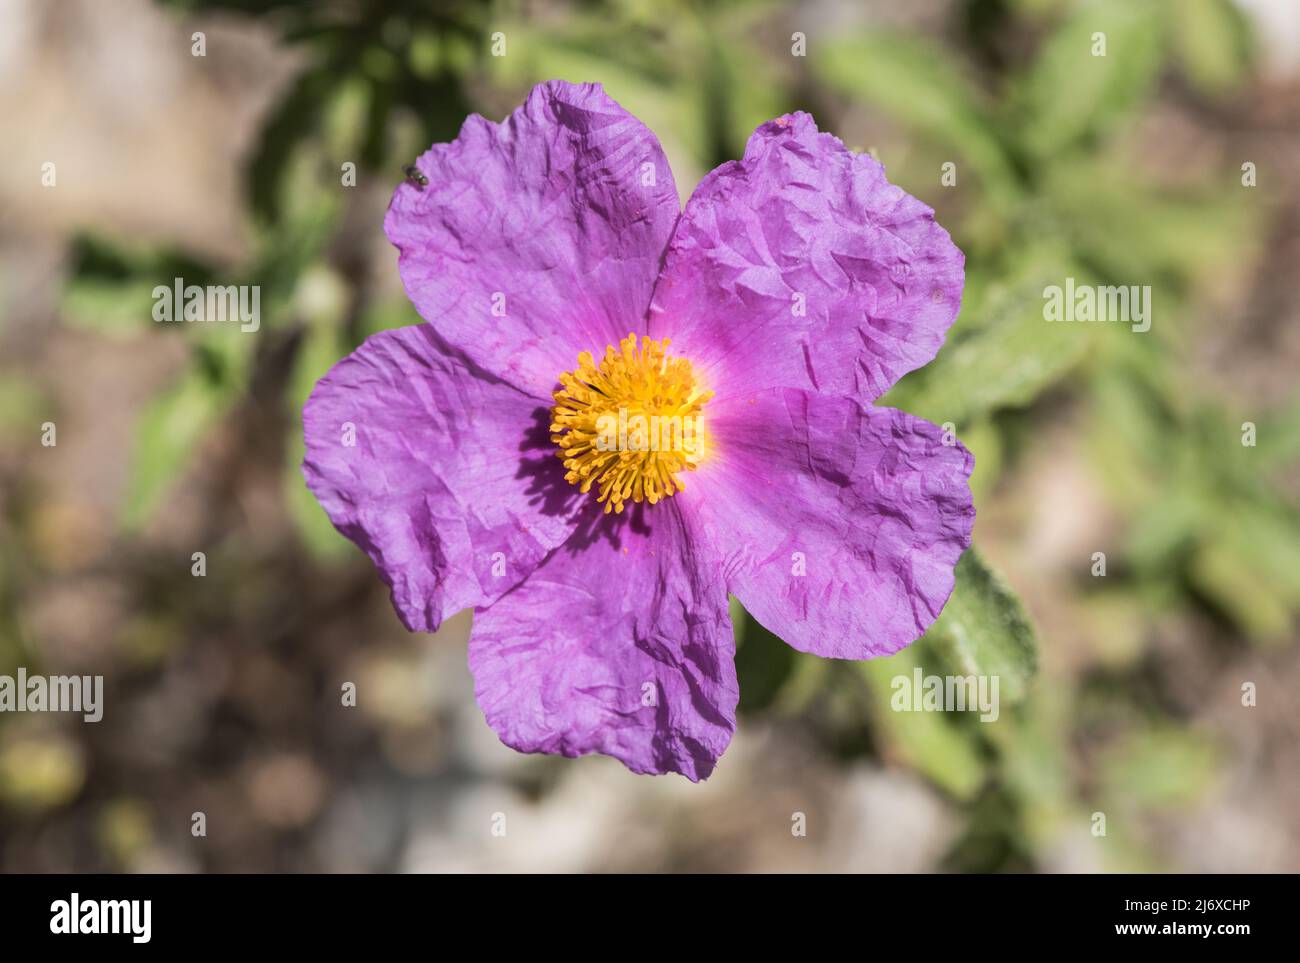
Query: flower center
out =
(630, 424)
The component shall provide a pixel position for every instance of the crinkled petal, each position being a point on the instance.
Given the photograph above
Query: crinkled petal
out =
(837, 525)
(802, 266)
(620, 643)
(538, 237)
(443, 474)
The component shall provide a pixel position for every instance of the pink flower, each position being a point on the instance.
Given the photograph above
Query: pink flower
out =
(563, 290)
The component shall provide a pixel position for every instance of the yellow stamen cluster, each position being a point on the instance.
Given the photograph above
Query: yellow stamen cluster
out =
(630, 424)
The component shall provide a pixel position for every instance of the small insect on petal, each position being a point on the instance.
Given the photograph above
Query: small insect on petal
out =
(414, 177)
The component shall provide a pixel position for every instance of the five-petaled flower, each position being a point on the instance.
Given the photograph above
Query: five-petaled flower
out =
(562, 285)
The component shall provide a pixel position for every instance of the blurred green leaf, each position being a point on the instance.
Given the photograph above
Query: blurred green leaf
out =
(1221, 571)
(320, 350)
(1248, 562)
(1129, 434)
(391, 312)
(915, 84)
(286, 253)
(1070, 93)
(1032, 760)
(109, 307)
(1158, 768)
(930, 742)
(1002, 329)
(111, 287)
(983, 630)
(1137, 234)
(1212, 41)
(168, 434)
(984, 441)
(763, 661)
(1278, 439)
(745, 91)
(22, 404)
(291, 122)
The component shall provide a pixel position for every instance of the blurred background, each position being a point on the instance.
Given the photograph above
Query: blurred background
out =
(1170, 162)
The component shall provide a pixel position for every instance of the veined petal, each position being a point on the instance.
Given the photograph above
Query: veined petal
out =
(538, 237)
(802, 266)
(443, 474)
(620, 643)
(837, 525)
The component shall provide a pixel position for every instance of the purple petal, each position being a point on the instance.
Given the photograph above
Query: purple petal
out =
(538, 237)
(868, 504)
(449, 486)
(621, 644)
(801, 266)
